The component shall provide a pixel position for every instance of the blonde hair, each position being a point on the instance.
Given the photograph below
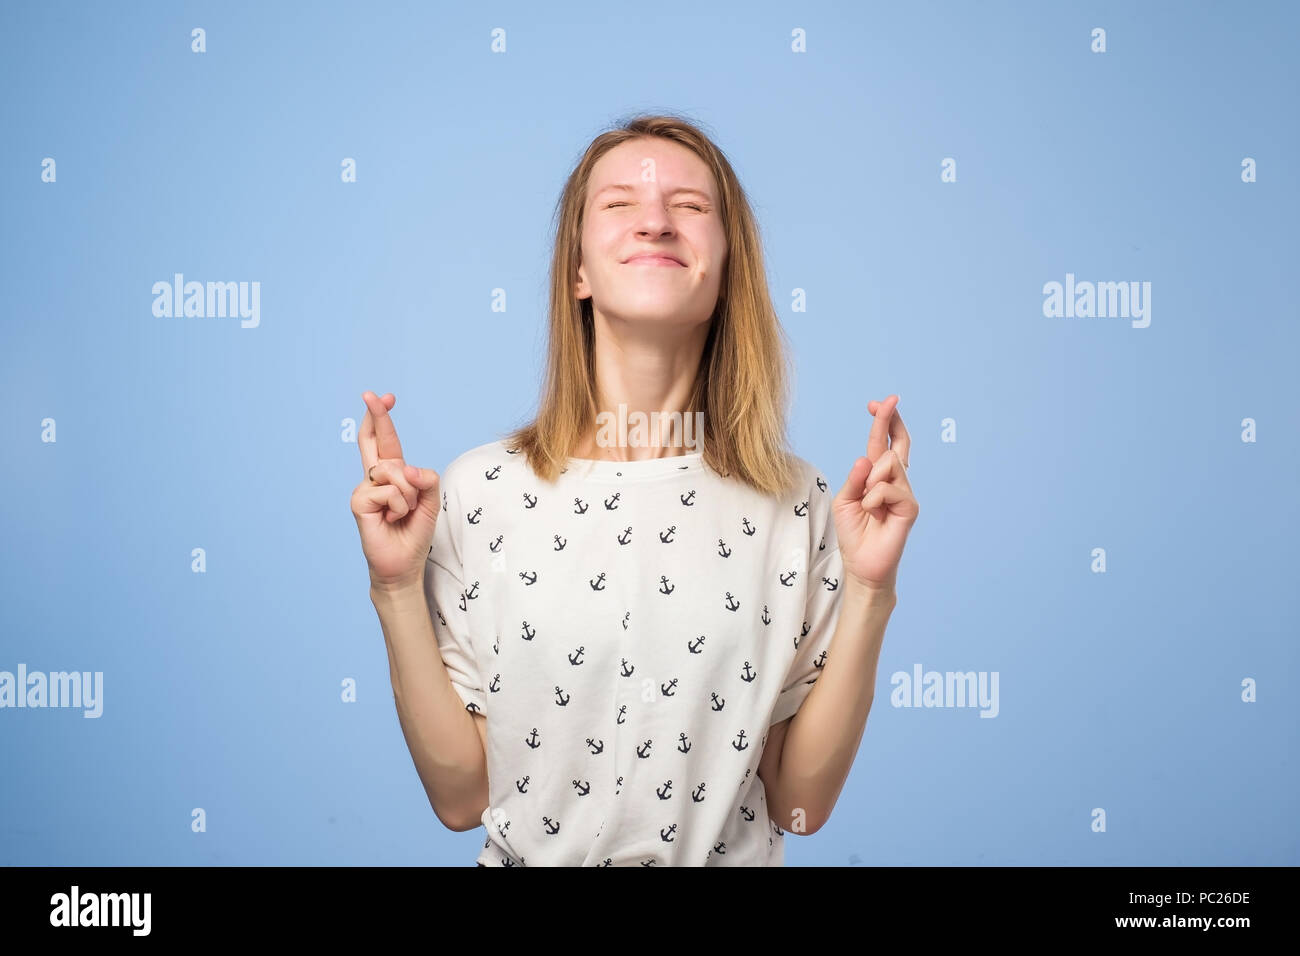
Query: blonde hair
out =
(743, 379)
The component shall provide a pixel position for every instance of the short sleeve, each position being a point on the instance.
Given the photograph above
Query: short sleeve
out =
(822, 607)
(444, 589)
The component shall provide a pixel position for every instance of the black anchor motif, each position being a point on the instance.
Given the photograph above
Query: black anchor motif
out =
(801, 509)
(530, 501)
(723, 550)
(473, 516)
(626, 615)
(530, 577)
(512, 451)
(649, 862)
(666, 833)
(582, 788)
(683, 743)
(696, 793)
(552, 826)
(821, 485)
(618, 788)
(528, 633)
(663, 791)
(643, 751)
(626, 536)
(687, 499)
(607, 861)
(625, 670)
(472, 707)
(440, 617)
(822, 546)
(560, 542)
(611, 503)
(495, 546)
(574, 658)
(749, 674)
(444, 505)
(747, 813)
(667, 536)
(496, 645)
(622, 713)
(819, 660)
(598, 582)
(731, 603)
(493, 473)
(496, 683)
(579, 507)
(831, 583)
(665, 587)
(532, 740)
(788, 580)
(749, 528)
(718, 702)
(596, 747)
(743, 743)
(694, 646)
(803, 631)
(720, 848)
(668, 689)
(766, 618)
(522, 783)
(561, 698)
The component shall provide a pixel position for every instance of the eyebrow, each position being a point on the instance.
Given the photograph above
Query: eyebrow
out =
(627, 187)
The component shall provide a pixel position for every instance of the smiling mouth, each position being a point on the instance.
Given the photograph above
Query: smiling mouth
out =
(653, 261)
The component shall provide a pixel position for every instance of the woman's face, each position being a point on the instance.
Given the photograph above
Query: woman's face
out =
(652, 196)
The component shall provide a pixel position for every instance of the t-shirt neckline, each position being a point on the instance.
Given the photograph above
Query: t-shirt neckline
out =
(642, 468)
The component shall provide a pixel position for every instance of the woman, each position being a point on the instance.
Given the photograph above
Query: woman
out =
(613, 644)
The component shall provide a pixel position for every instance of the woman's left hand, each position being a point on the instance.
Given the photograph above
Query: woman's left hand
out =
(876, 509)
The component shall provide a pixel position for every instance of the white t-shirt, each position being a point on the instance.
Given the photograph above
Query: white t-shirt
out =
(630, 634)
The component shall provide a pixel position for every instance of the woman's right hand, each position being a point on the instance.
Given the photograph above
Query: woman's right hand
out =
(396, 504)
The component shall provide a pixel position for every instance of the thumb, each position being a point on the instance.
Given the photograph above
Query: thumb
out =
(426, 481)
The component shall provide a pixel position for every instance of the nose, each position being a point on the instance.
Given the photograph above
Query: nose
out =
(653, 222)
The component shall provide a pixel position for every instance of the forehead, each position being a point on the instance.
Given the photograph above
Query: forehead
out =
(671, 164)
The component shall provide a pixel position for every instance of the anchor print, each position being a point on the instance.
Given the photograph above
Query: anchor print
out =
(530, 577)
(649, 862)
(666, 834)
(665, 587)
(444, 505)
(462, 600)
(644, 750)
(596, 747)
(473, 516)
(552, 826)
(522, 783)
(575, 657)
(720, 848)
(598, 582)
(492, 473)
(667, 536)
(831, 583)
(748, 814)
(618, 788)
(532, 740)
(496, 645)
(688, 498)
(822, 546)
(663, 791)
(512, 451)
(472, 707)
(749, 528)
(740, 743)
(471, 592)
(819, 660)
(626, 615)
(611, 503)
(560, 542)
(622, 713)
(440, 617)
(607, 861)
(669, 688)
(731, 603)
(723, 550)
(766, 618)
(625, 670)
(683, 744)
(495, 546)
(561, 697)
(788, 579)
(696, 794)
(496, 683)
(528, 633)
(530, 501)
(582, 788)
(803, 631)
(579, 506)
(821, 485)
(694, 646)
(748, 674)
(801, 509)
(626, 536)
(718, 702)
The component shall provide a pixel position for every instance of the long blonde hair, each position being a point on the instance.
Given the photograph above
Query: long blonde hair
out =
(743, 379)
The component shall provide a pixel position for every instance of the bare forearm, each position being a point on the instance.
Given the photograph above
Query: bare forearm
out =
(824, 734)
(440, 732)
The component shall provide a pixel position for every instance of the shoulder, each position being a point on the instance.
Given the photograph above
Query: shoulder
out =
(811, 484)
(480, 463)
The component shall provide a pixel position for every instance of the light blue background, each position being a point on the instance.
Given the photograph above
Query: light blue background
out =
(1118, 690)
